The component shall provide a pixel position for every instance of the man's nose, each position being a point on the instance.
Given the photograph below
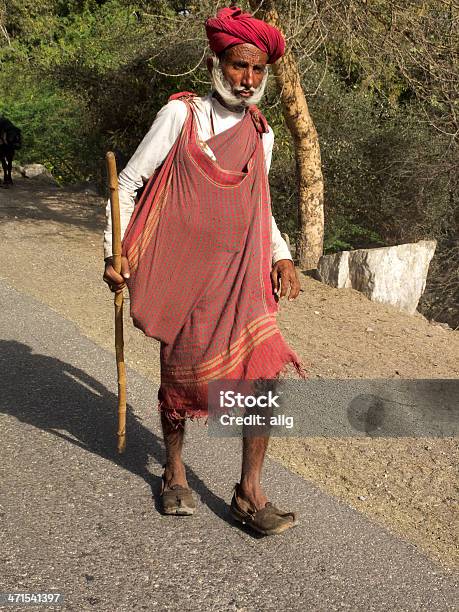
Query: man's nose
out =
(247, 78)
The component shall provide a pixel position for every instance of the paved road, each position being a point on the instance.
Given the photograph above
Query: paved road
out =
(80, 520)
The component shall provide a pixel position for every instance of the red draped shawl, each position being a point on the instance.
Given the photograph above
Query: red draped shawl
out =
(199, 250)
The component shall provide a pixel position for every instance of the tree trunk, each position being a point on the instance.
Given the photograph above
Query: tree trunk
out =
(307, 150)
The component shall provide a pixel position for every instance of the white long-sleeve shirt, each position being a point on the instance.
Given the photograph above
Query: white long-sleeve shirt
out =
(157, 143)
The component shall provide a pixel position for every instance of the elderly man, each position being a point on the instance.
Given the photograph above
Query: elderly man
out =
(202, 256)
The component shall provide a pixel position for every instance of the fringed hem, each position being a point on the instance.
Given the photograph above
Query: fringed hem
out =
(272, 359)
(176, 416)
(293, 370)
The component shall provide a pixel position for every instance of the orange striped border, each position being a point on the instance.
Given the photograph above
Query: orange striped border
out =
(249, 328)
(140, 245)
(253, 334)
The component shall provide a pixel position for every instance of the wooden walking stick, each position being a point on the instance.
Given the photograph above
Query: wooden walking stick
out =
(119, 338)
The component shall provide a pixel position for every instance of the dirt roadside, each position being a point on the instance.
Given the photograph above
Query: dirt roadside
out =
(51, 249)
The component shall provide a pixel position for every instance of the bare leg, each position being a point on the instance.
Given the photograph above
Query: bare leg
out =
(173, 441)
(253, 454)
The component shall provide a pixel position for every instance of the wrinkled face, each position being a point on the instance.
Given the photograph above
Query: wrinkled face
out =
(244, 67)
(240, 76)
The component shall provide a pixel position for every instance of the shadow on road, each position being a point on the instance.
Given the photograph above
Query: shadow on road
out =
(59, 398)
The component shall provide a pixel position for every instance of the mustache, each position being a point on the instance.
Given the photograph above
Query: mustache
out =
(241, 89)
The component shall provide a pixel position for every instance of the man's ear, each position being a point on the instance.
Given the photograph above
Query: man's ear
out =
(210, 63)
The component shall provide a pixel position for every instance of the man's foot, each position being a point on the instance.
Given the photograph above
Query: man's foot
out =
(176, 496)
(251, 492)
(267, 519)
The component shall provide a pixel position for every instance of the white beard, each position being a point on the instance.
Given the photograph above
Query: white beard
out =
(225, 90)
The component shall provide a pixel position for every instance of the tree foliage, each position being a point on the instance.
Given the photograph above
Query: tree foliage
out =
(381, 78)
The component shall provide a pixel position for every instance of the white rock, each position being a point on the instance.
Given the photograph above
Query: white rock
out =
(16, 170)
(37, 171)
(392, 275)
(334, 269)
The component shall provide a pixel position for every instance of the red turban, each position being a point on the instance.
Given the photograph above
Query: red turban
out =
(233, 27)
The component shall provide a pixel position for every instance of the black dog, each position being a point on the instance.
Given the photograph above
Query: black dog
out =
(10, 141)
